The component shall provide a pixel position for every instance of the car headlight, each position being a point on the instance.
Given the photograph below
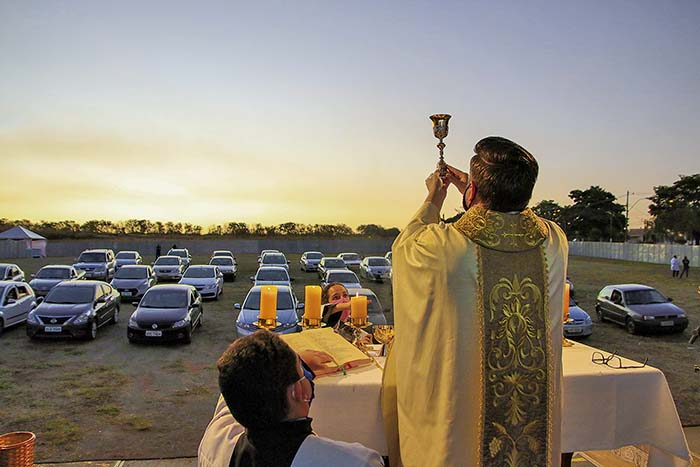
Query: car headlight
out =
(182, 323)
(32, 318)
(248, 326)
(680, 315)
(588, 320)
(647, 318)
(83, 318)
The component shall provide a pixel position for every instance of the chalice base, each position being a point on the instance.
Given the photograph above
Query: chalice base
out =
(311, 323)
(267, 324)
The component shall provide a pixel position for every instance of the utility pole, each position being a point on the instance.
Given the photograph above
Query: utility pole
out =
(627, 216)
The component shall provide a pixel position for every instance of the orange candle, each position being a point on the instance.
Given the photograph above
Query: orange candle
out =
(358, 307)
(567, 290)
(312, 302)
(268, 302)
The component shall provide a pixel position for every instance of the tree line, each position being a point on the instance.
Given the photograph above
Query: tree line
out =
(145, 227)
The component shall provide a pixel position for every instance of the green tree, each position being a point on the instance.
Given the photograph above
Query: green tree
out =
(594, 216)
(676, 209)
(549, 209)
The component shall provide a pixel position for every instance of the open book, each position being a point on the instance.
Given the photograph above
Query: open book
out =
(344, 354)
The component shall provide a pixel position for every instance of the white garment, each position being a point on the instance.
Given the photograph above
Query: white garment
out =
(223, 431)
(675, 264)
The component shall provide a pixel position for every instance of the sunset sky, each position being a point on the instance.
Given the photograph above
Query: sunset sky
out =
(317, 111)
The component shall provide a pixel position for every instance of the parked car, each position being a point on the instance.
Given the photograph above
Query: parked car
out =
(16, 301)
(309, 260)
(165, 313)
(97, 264)
(329, 262)
(271, 275)
(375, 312)
(133, 280)
(169, 268)
(218, 253)
(375, 268)
(264, 252)
(227, 265)
(274, 259)
(580, 323)
(639, 308)
(11, 272)
(183, 253)
(351, 259)
(388, 256)
(128, 257)
(74, 309)
(207, 279)
(344, 276)
(287, 307)
(50, 275)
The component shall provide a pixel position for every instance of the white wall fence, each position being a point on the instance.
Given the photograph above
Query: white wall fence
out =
(641, 252)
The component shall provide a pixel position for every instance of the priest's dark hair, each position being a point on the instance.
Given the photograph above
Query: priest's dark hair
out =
(254, 374)
(504, 174)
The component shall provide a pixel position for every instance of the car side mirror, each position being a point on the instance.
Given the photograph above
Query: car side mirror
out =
(136, 302)
(288, 262)
(237, 306)
(252, 278)
(300, 306)
(32, 276)
(670, 299)
(39, 300)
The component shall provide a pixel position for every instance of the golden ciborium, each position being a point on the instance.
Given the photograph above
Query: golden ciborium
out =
(440, 130)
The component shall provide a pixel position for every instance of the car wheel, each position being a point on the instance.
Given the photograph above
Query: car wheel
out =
(92, 335)
(115, 318)
(630, 326)
(188, 335)
(599, 314)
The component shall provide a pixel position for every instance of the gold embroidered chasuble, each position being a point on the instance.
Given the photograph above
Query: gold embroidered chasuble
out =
(474, 376)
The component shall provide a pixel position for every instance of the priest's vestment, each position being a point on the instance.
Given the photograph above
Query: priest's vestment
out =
(474, 375)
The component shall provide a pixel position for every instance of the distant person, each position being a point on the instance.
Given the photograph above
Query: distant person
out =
(158, 251)
(262, 418)
(174, 246)
(686, 267)
(675, 266)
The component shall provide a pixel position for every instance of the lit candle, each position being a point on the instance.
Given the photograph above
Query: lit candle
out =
(567, 289)
(312, 302)
(268, 302)
(358, 307)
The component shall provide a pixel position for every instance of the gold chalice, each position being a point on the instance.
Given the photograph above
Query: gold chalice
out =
(383, 333)
(440, 130)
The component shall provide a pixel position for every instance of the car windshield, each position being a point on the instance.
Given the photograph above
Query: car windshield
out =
(71, 295)
(252, 301)
(221, 261)
(180, 253)
(342, 277)
(3, 269)
(222, 253)
(53, 273)
(644, 297)
(314, 256)
(334, 263)
(272, 275)
(274, 259)
(131, 273)
(167, 261)
(164, 299)
(126, 255)
(92, 258)
(351, 256)
(378, 262)
(199, 273)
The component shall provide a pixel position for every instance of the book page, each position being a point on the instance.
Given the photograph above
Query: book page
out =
(326, 339)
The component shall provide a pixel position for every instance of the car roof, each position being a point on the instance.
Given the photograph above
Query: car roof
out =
(280, 288)
(374, 257)
(348, 253)
(339, 271)
(172, 287)
(221, 257)
(127, 251)
(135, 266)
(80, 283)
(202, 266)
(330, 257)
(318, 252)
(4, 283)
(168, 256)
(8, 264)
(272, 268)
(628, 287)
(177, 249)
(362, 291)
(96, 250)
(273, 254)
(62, 266)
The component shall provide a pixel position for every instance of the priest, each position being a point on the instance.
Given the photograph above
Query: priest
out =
(474, 375)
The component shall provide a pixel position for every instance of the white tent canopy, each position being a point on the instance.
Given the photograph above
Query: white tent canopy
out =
(19, 242)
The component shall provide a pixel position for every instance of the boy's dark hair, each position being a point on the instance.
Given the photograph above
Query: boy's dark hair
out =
(326, 289)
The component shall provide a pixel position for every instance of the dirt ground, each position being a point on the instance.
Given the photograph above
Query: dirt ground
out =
(111, 399)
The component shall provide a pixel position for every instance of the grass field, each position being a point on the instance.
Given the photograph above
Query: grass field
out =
(102, 399)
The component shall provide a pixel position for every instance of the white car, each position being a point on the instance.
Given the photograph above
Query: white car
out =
(11, 272)
(344, 276)
(217, 253)
(264, 252)
(226, 264)
(183, 253)
(351, 259)
(169, 267)
(375, 268)
(16, 301)
(388, 256)
(128, 257)
(271, 275)
(327, 263)
(309, 260)
(52, 274)
(207, 279)
(274, 259)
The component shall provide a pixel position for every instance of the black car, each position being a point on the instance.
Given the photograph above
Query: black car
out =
(166, 313)
(74, 309)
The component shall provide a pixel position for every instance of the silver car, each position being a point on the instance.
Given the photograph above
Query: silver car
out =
(11, 272)
(207, 279)
(375, 268)
(51, 275)
(375, 312)
(226, 264)
(16, 301)
(274, 259)
(344, 276)
(351, 259)
(271, 275)
(133, 280)
(97, 264)
(169, 268)
(223, 253)
(128, 257)
(309, 260)
(329, 262)
(183, 253)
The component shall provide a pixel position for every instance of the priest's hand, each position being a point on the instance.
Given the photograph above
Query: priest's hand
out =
(458, 178)
(317, 360)
(437, 189)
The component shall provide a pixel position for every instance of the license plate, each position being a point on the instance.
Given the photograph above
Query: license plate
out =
(53, 329)
(666, 323)
(574, 330)
(126, 293)
(154, 333)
